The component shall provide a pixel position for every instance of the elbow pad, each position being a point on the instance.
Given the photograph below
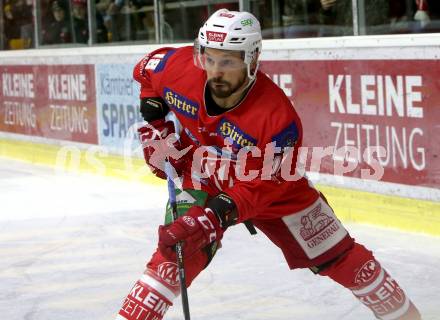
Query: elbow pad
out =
(153, 108)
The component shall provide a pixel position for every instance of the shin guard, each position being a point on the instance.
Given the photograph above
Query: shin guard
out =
(360, 272)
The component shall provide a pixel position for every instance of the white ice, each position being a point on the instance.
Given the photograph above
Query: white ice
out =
(72, 245)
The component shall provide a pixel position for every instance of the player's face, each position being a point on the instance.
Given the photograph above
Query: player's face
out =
(225, 70)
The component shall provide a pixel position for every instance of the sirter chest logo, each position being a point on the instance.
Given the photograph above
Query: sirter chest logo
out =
(236, 136)
(180, 103)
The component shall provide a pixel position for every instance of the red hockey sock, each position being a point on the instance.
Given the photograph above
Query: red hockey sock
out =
(153, 294)
(167, 271)
(360, 272)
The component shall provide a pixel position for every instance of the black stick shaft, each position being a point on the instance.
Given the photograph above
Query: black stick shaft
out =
(179, 251)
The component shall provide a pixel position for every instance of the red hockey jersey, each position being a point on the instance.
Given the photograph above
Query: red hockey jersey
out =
(264, 116)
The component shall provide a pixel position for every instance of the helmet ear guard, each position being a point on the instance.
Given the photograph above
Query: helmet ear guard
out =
(252, 67)
(231, 30)
(197, 54)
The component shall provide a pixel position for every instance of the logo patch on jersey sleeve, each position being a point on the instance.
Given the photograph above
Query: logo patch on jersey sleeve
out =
(151, 62)
(287, 137)
(161, 65)
(180, 103)
(238, 137)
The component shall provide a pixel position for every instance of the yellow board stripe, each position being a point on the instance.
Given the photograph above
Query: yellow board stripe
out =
(71, 158)
(384, 210)
(349, 205)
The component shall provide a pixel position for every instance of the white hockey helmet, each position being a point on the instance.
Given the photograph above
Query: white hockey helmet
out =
(230, 30)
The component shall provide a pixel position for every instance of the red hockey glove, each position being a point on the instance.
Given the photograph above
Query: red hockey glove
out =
(198, 228)
(159, 144)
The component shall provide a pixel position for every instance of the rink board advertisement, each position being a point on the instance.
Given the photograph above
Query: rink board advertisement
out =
(51, 101)
(354, 105)
(348, 105)
(19, 100)
(117, 96)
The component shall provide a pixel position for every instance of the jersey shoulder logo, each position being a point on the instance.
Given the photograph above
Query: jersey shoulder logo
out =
(161, 65)
(287, 137)
(150, 62)
(155, 61)
(180, 103)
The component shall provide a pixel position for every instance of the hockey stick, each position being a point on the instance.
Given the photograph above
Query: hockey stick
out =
(179, 251)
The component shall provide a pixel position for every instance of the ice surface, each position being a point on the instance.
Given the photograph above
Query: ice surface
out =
(72, 245)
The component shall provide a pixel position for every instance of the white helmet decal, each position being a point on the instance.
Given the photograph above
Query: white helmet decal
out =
(231, 30)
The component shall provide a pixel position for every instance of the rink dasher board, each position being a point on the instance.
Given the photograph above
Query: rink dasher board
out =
(349, 203)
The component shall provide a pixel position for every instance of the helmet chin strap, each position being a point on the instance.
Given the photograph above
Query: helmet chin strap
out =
(250, 78)
(249, 75)
(250, 81)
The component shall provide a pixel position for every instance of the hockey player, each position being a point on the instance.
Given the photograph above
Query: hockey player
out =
(226, 105)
